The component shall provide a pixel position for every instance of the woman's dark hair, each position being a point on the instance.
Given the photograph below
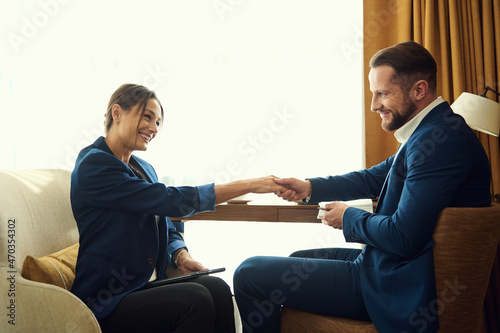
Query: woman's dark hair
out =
(127, 96)
(411, 62)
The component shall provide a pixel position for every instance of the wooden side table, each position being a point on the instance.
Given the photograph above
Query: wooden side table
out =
(258, 213)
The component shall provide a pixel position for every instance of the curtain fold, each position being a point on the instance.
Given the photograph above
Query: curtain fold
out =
(464, 38)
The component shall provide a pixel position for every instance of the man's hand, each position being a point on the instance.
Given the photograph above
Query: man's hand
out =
(296, 189)
(333, 214)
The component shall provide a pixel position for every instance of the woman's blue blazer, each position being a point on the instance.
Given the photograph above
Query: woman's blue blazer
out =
(124, 227)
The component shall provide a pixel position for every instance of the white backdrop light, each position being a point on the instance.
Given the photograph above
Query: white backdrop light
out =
(249, 88)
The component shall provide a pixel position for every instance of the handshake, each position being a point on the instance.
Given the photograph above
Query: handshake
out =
(293, 189)
(290, 189)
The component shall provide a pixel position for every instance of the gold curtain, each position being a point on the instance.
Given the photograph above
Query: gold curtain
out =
(460, 34)
(464, 38)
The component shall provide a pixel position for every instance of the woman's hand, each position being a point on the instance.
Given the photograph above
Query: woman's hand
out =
(191, 265)
(266, 184)
(228, 191)
(187, 264)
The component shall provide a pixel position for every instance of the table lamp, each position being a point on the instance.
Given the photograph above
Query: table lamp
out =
(480, 113)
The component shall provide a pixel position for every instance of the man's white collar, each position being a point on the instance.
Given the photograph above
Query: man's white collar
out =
(405, 131)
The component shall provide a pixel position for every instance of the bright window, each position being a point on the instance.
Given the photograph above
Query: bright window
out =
(250, 88)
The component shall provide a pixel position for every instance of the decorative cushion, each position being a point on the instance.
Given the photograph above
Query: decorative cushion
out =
(57, 268)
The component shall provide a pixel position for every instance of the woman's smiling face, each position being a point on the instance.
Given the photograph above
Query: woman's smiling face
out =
(138, 128)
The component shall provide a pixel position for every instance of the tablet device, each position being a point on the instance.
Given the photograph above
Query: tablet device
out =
(183, 277)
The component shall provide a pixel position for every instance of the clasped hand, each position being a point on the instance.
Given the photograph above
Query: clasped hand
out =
(296, 189)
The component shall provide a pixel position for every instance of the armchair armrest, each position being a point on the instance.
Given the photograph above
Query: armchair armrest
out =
(39, 307)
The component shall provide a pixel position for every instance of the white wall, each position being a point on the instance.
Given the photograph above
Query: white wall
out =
(227, 244)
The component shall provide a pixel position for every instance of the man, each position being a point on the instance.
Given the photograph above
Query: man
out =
(391, 282)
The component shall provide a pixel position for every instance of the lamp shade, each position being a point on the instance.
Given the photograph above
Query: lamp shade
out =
(480, 113)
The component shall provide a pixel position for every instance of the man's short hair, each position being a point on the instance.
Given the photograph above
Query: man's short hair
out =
(411, 62)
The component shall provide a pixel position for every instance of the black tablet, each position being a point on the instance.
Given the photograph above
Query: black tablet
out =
(183, 277)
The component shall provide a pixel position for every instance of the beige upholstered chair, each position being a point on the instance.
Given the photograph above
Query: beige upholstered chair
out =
(37, 221)
(36, 202)
(466, 244)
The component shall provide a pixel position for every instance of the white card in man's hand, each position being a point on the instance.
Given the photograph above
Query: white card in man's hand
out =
(321, 211)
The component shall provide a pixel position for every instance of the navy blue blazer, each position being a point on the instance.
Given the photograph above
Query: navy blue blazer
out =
(121, 238)
(442, 164)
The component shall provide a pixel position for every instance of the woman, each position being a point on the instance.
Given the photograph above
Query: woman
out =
(126, 237)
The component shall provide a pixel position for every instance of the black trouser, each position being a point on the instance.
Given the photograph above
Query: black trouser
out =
(204, 304)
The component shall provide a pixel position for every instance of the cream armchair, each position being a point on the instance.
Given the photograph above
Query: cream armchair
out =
(37, 221)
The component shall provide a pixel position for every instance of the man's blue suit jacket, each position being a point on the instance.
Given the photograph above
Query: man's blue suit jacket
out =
(121, 238)
(442, 164)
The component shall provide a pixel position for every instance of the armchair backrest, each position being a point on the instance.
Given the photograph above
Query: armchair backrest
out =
(466, 245)
(35, 214)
